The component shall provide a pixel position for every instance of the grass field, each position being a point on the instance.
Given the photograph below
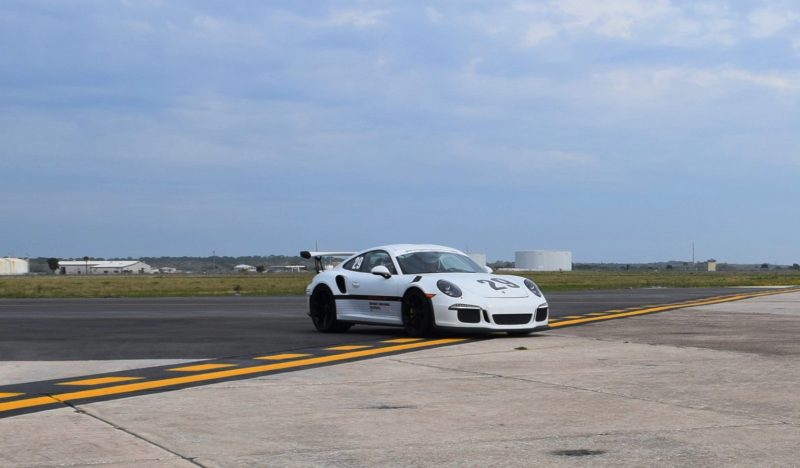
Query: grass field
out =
(295, 284)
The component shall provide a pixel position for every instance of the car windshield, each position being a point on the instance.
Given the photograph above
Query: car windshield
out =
(437, 262)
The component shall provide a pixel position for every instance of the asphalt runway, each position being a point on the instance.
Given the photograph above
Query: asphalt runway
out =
(208, 328)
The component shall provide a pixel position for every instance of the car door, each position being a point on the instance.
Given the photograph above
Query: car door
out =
(373, 298)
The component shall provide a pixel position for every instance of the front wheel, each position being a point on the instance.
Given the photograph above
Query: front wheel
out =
(417, 314)
(323, 312)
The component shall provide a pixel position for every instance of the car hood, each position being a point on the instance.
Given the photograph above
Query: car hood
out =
(488, 285)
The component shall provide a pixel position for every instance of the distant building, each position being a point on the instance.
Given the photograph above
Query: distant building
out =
(103, 267)
(287, 268)
(711, 265)
(244, 268)
(543, 260)
(480, 258)
(13, 266)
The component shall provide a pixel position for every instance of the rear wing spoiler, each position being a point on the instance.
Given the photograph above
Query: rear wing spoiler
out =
(318, 256)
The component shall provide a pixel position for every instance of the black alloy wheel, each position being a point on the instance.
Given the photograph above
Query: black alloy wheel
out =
(323, 312)
(417, 314)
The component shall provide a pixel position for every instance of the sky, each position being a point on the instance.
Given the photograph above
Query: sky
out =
(621, 130)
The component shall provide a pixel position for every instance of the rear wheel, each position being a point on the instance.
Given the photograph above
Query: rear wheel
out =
(417, 313)
(323, 312)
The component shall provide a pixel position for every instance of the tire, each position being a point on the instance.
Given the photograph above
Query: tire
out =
(323, 312)
(417, 314)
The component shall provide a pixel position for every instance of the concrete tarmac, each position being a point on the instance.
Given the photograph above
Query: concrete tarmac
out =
(702, 386)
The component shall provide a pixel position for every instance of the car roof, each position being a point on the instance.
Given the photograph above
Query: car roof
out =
(402, 249)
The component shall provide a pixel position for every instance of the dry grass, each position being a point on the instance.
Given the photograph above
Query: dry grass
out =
(581, 280)
(295, 284)
(153, 286)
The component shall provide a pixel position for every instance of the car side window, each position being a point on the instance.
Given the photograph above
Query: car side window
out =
(378, 258)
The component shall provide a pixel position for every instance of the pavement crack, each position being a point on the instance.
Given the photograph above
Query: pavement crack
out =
(129, 432)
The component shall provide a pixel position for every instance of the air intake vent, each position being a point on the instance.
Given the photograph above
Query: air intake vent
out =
(541, 314)
(341, 284)
(469, 315)
(512, 319)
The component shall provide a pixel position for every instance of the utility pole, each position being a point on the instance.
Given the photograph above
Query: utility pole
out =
(694, 266)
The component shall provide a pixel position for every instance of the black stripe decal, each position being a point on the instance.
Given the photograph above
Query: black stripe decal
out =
(356, 297)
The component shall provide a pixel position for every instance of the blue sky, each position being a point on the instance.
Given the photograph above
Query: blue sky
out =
(622, 130)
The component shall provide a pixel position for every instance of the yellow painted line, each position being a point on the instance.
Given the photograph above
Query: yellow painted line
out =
(280, 357)
(9, 395)
(665, 307)
(218, 375)
(27, 403)
(402, 340)
(201, 367)
(348, 347)
(100, 381)
(598, 313)
(571, 316)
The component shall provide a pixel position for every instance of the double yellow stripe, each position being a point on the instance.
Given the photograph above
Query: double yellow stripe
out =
(218, 375)
(678, 305)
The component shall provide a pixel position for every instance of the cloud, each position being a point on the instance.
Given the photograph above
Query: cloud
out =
(208, 23)
(433, 14)
(539, 32)
(686, 24)
(358, 18)
(666, 82)
(515, 165)
(769, 21)
(785, 82)
(612, 18)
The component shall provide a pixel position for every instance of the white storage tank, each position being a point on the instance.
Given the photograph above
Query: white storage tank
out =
(543, 260)
(13, 266)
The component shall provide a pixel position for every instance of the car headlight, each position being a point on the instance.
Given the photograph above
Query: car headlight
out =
(532, 286)
(448, 288)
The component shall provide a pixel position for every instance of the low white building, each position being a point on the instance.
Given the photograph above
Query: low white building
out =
(13, 266)
(104, 267)
(543, 260)
(118, 267)
(480, 258)
(244, 268)
(287, 268)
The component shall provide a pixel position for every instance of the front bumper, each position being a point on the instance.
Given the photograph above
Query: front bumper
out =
(514, 314)
(480, 330)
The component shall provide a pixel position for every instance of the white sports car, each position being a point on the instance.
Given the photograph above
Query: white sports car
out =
(422, 288)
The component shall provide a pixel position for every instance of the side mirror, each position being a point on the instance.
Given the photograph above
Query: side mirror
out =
(381, 270)
(489, 270)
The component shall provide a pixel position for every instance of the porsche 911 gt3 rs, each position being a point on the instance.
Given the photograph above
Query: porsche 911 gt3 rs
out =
(421, 288)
